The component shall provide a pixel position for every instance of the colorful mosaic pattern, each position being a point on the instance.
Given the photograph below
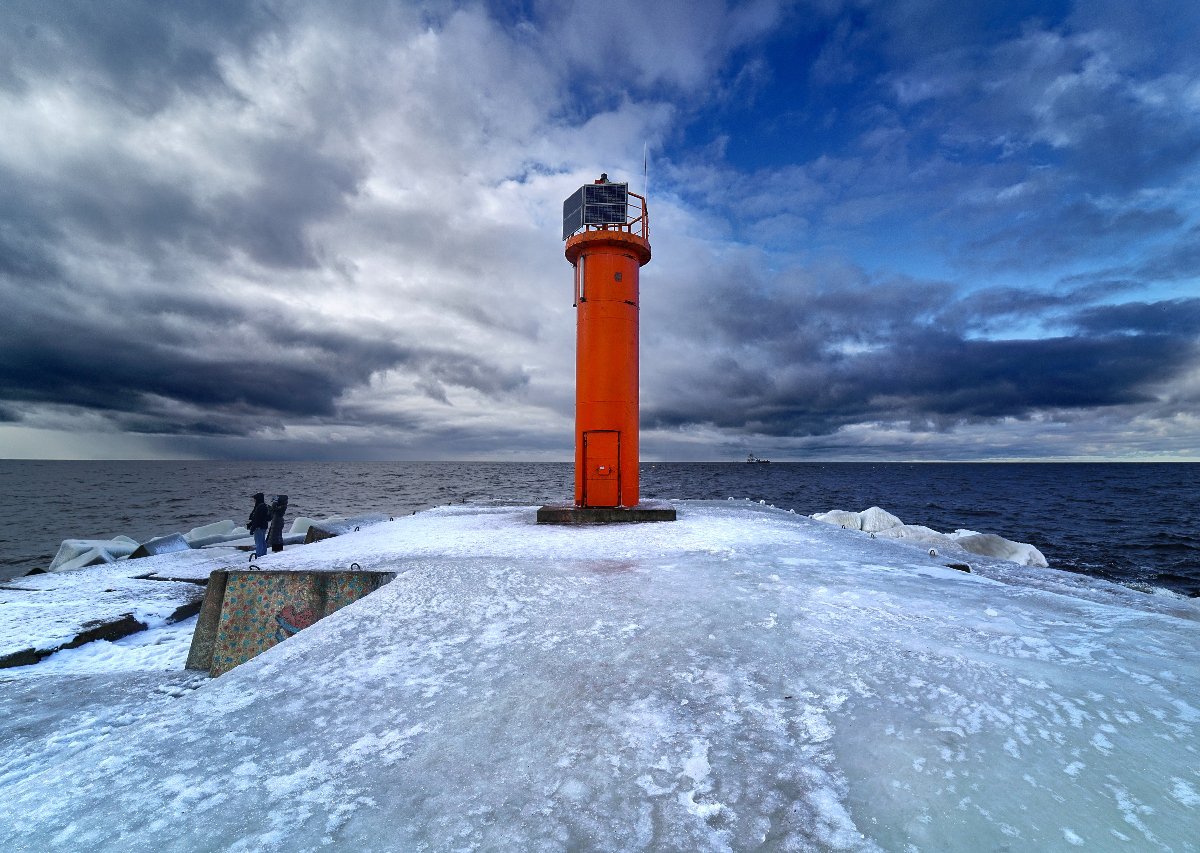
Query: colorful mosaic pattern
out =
(261, 609)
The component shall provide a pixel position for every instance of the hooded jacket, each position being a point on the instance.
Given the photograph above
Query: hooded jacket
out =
(278, 508)
(259, 515)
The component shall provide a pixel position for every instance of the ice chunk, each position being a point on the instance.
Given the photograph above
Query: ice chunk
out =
(991, 545)
(870, 520)
(168, 544)
(77, 553)
(840, 517)
(217, 528)
(876, 519)
(300, 525)
(215, 533)
(915, 533)
(334, 525)
(882, 523)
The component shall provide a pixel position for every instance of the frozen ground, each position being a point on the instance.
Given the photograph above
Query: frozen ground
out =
(741, 679)
(40, 613)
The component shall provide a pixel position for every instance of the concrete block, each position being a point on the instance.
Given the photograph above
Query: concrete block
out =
(247, 612)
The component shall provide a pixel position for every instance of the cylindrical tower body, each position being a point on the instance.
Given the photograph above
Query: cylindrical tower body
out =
(607, 264)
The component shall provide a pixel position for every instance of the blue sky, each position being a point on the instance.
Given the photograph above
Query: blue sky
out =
(901, 230)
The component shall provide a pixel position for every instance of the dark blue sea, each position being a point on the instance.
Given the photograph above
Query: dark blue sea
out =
(1136, 523)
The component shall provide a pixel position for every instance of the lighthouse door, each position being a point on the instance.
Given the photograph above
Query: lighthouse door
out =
(601, 460)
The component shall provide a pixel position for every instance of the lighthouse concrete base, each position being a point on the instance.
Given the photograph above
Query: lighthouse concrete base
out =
(570, 514)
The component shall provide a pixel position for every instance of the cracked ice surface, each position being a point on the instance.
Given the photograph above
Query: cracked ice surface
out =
(743, 678)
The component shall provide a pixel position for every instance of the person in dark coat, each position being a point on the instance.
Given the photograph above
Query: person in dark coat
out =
(257, 525)
(275, 536)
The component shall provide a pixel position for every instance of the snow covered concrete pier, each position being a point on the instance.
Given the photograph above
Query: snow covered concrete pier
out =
(742, 679)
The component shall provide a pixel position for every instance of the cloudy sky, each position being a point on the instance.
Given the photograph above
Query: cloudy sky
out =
(882, 230)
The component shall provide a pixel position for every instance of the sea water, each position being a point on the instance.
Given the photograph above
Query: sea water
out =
(1134, 523)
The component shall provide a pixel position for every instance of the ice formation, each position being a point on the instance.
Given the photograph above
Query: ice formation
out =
(335, 524)
(883, 523)
(743, 678)
(215, 533)
(168, 544)
(79, 553)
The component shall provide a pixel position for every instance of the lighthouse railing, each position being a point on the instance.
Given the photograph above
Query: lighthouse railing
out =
(639, 224)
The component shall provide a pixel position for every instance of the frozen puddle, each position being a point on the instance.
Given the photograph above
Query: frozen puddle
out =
(740, 679)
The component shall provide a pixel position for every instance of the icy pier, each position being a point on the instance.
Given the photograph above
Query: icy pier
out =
(42, 614)
(741, 679)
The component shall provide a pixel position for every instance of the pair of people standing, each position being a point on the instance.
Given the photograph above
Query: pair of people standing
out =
(266, 523)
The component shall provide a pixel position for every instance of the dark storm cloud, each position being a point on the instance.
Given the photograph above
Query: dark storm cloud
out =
(70, 362)
(295, 186)
(999, 307)
(1057, 231)
(1179, 261)
(819, 360)
(112, 198)
(140, 53)
(994, 379)
(942, 383)
(140, 369)
(1178, 318)
(134, 60)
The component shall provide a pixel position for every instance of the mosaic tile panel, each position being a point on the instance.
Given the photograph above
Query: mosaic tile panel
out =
(262, 609)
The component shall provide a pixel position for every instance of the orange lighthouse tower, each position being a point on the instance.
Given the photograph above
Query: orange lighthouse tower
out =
(607, 234)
